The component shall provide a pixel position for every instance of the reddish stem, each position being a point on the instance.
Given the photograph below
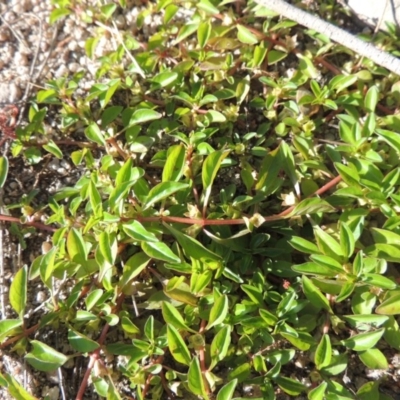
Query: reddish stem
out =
(94, 356)
(14, 339)
(35, 224)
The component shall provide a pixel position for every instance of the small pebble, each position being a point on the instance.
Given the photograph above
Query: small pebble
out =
(41, 296)
(53, 164)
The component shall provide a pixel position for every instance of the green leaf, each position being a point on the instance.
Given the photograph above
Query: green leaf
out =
(371, 98)
(290, 386)
(94, 134)
(76, 246)
(391, 138)
(374, 359)
(207, 6)
(175, 163)
(385, 236)
(312, 206)
(307, 67)
(379, 281)
(358, 320)
(242, 89)
(269, 318)
(347, 241)
(255, 294)
(177, 346)
(259, 55)
(52, 148)
(109, 115)
(108, 247)
(392, 333)
(92, 298)
(133, 267)
(46, 267)
(327, 244)
(303, 245)
(245, 35)
(14, 388)
(128, 326)
(7, 326)
(160, 251)
(338, 364)
(282, 356)
(203, 33)
(199, 282)
(363, 341)
(173, 317)
(241, 372)
(125, 174)
(95, 199)
(269, 169)
(170, 12)
(59, 13)
(138, 232)
(209, 172)
(323, 354)
(192, 247)
(143, 115)
(149, 328)
(314, 295)
(185, 31)
(318, 393)
(349, 175)
(215, 116)
(274, 56)
(220, 345)
(108, 10)
(45, 358)
(327, 262)
(387, 252)
(341, 82)
(218, 311)
(195, 379)
(227, 391)
(345, 291)
(81, 343)
(390, 306)
(164, 79)
(3, 170)
(369, 390)
(162, 191)
(112, 392)
(310, 268)
(18, 290)
(303, 341)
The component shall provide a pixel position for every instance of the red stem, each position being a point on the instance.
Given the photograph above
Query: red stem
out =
(96, 354)
(188, 221)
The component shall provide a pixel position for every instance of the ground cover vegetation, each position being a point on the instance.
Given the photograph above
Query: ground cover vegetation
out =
(236, 210)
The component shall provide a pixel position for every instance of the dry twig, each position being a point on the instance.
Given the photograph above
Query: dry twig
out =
(334, 33)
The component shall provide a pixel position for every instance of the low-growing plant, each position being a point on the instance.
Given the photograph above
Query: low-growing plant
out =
(236, 208)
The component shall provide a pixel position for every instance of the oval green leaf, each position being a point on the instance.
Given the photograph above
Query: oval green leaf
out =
(45, 358)
(18, 290)
(81, 343)
(363, 341)
(177, 346)
(218, 311)
(3, 170)
(162, 191)
(160, 251)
